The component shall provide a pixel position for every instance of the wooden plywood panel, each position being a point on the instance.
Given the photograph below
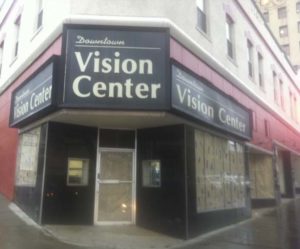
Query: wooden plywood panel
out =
(220, 173)
(200, 171)
(241, 175)
(261, 175)
(233, 176)
(227, 176)
(219, 177)
(252, 170)
(209, 170)
(265, 179)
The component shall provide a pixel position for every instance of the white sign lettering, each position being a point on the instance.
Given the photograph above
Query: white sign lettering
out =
(116, 69)
(204, 103)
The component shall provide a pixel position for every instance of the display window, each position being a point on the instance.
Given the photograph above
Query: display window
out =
(151, 173)
(78, 169)
(27, 160)
(220, 172)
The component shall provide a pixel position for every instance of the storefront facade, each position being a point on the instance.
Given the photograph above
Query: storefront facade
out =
(131, 115)
(130, 137)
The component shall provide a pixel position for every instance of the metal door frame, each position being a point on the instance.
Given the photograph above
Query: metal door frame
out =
(133, 187)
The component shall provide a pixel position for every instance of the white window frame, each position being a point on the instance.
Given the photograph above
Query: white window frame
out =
(286, 48)
(202, 10)
(298, 7)
(250, 59)
(282, 12)
(229, 29)
(275, 87)
(16, 47)
(260, 59)
(1, 56)
(281, 92)
(296, 108)
(291, 104)
(283, 31)
(85, 172)
(266, 16)
(39, 14)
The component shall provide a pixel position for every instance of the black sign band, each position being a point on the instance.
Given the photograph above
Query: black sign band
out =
(193, 97)
(34, 96)
(116, 68)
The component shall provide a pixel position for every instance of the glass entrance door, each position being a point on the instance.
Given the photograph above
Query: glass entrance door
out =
(115, 187)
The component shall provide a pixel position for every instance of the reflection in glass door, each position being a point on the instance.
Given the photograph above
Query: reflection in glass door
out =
(114, 190)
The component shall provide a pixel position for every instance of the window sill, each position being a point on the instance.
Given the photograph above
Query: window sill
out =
(13, 61)
(262, 88)
(251, 79)
(232, 60)
(204, 34)
(36, 33)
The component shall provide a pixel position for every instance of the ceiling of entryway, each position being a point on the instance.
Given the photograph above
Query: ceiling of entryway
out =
(116, 119)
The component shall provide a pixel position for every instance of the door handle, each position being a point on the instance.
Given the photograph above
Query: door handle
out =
(115, 181)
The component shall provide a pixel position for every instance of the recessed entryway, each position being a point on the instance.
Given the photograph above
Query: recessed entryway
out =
(115, 187)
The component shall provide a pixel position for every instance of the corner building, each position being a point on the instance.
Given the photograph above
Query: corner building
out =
(135, 114)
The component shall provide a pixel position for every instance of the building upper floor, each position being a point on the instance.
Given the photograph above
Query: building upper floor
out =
(283, 18)
(228, 35)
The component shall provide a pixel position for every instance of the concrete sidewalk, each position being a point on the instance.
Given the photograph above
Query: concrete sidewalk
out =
(269, 228)
(118, 237)
(130, 237)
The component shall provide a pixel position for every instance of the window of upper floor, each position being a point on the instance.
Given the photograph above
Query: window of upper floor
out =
(298, 7)
(291, 104)
(282, 12)
(275, 87)
(229, 26)
(286, 48)
(281, 90)
(1, 3)
(295, 102)
(17, 38)
(1, 56)
(39, 14)
(260, 70)
(250, 58)
(266, 16)
(283, 31)
(254, 121)
(202, 15)
(267, 128)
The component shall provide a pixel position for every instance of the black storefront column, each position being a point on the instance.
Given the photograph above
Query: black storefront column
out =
(172, 208)
(65, 204)
(288, 175)
(163, 208)
(248, 208)
(29, 198)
